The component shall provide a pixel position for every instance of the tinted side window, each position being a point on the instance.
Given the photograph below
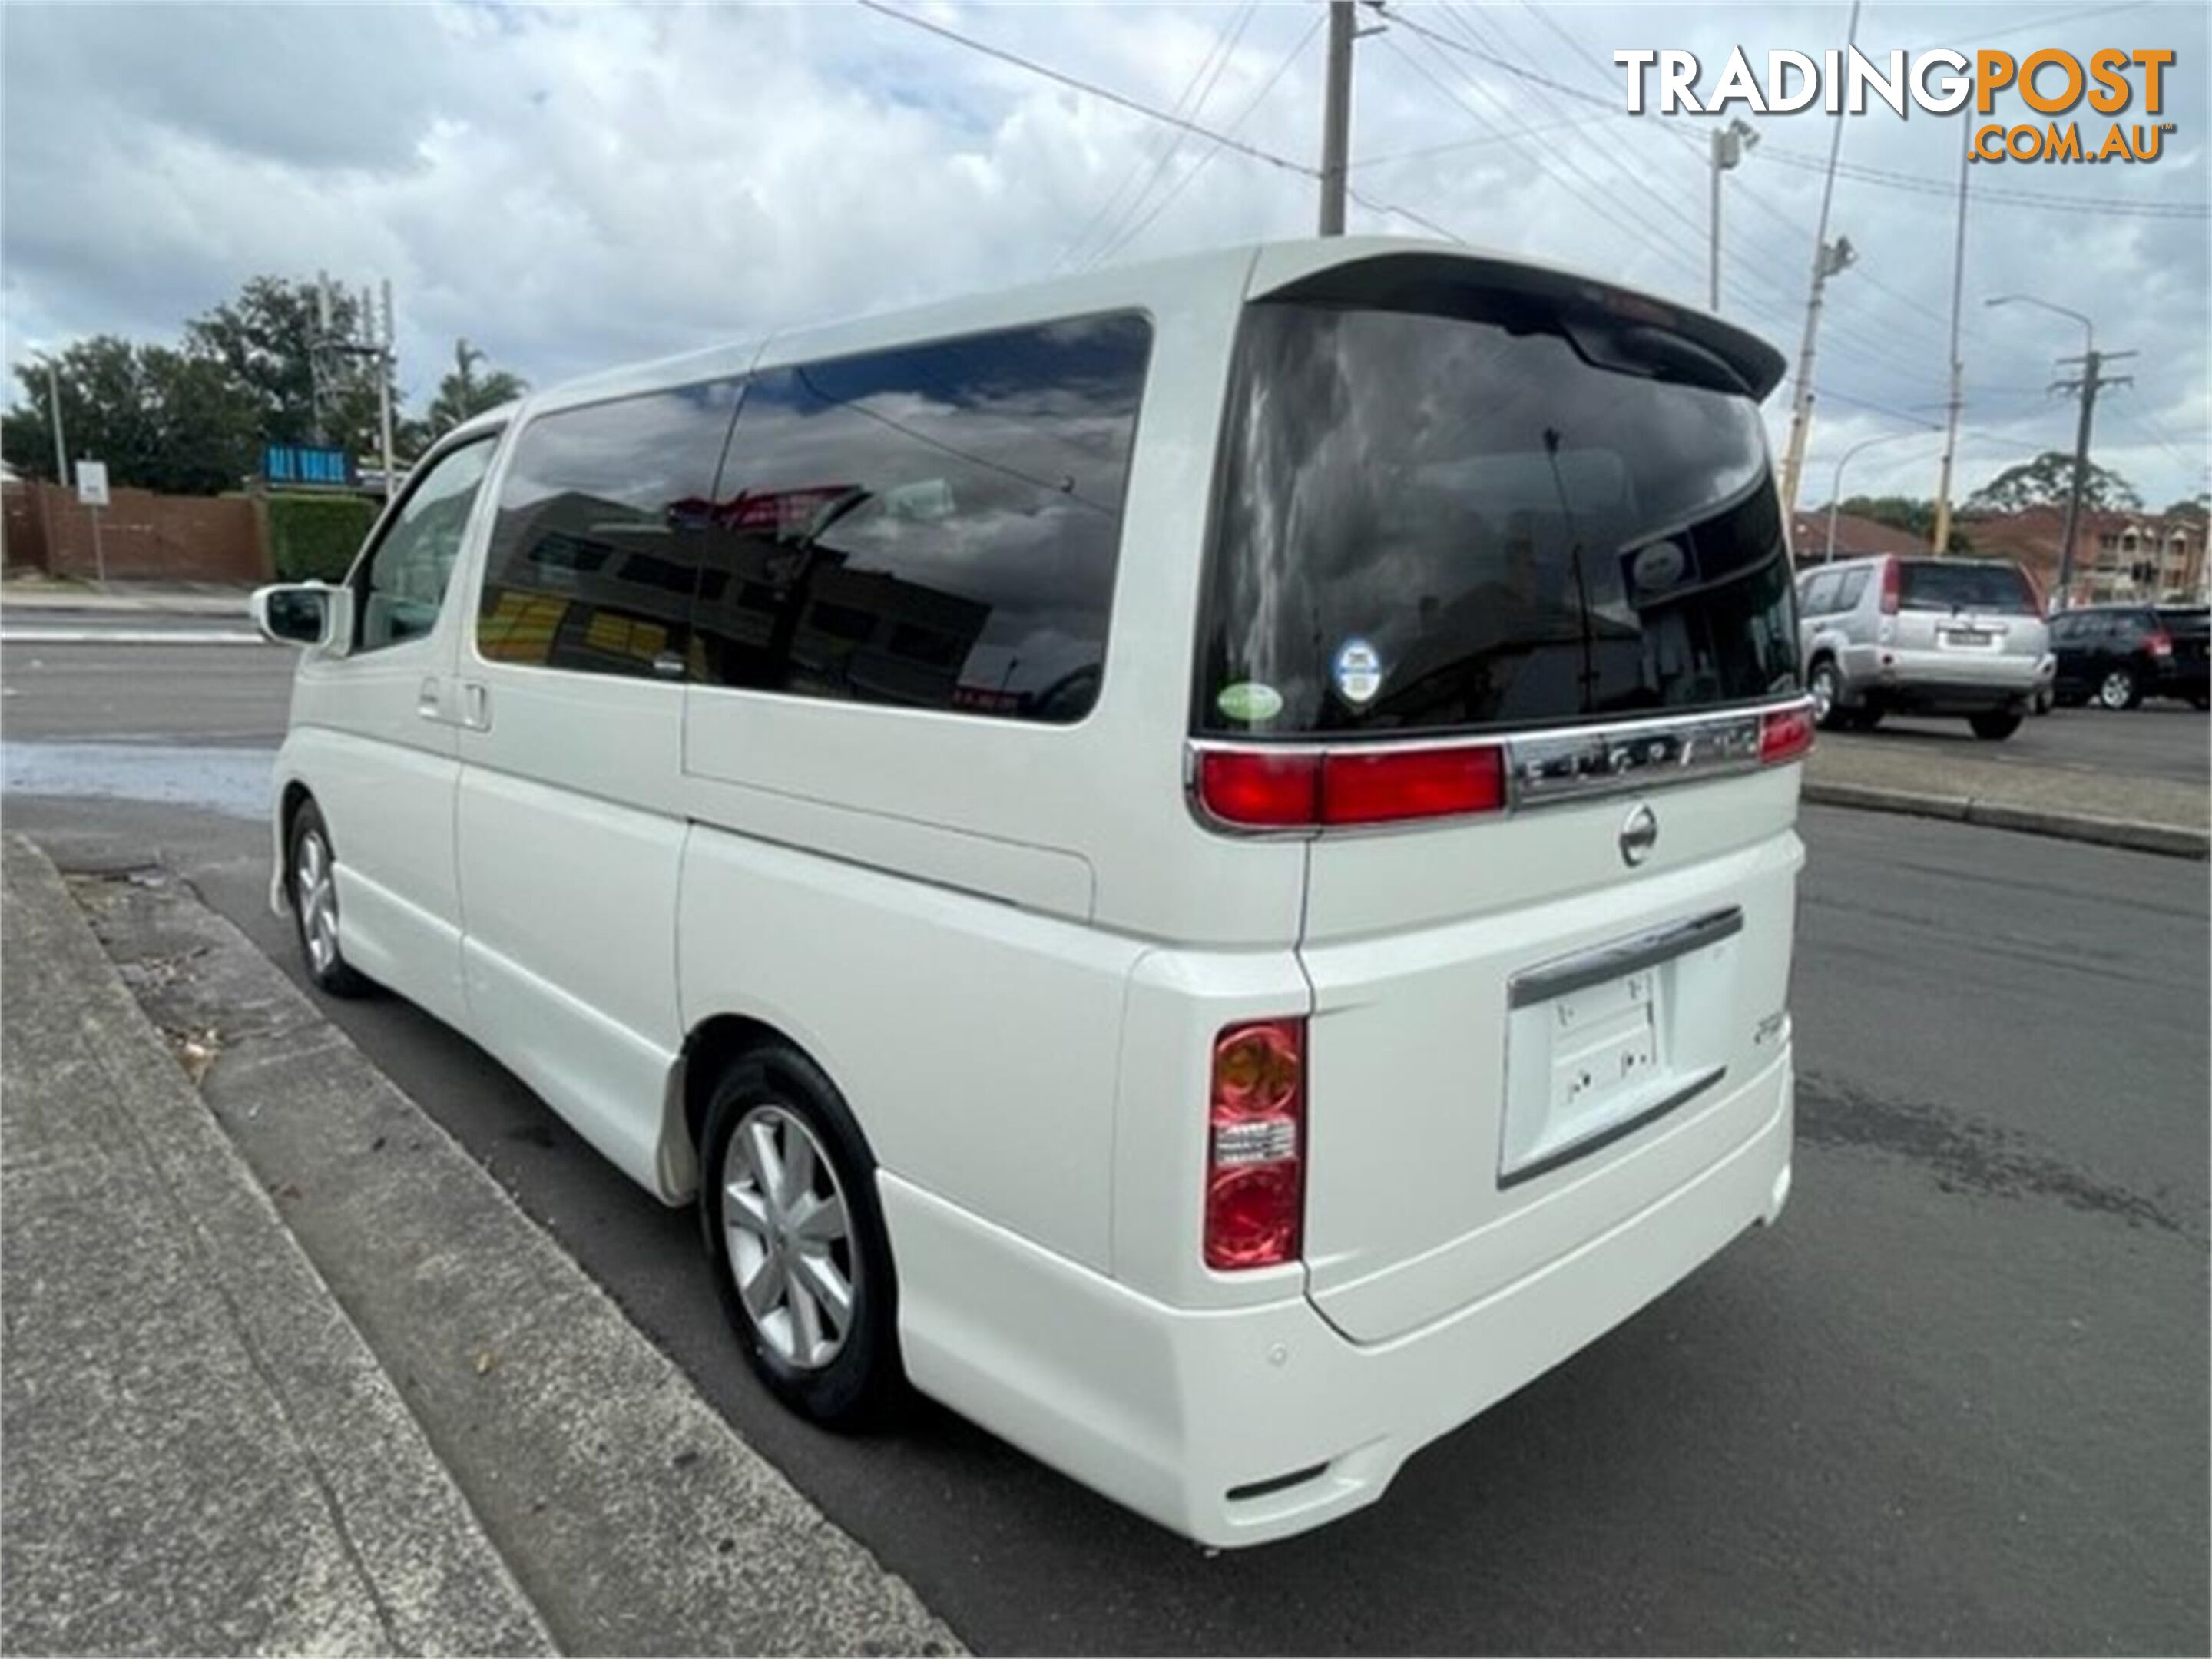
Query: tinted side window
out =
(1855, 583)
(595, 551)
(935, 526)
(1820, 594)
(401, 586)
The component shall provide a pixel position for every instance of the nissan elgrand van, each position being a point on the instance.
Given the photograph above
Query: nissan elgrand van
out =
(1196, 862)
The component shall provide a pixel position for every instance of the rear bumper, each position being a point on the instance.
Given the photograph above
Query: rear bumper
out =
(1200, 1420)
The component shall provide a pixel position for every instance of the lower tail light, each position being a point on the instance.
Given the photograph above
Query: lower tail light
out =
(1309, 789)
(1255, 1145)
(1786, 734)
(2159, 644)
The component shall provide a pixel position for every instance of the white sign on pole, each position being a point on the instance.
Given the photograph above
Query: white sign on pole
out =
(92, 483)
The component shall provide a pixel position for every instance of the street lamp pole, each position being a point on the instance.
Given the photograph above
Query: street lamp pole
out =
(54, 408)
(1728, 145)
(1835, 489)
(2090, 380)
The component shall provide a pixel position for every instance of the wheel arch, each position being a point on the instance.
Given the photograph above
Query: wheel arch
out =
(709, 1049)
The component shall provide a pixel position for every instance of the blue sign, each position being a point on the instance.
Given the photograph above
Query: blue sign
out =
(307, 464)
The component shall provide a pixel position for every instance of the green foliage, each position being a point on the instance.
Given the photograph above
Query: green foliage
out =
(464, 393)
(312, 536)
(2045, 482)
(193, 419)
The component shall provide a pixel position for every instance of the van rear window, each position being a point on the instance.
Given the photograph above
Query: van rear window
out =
(1445, 523)
(1928, 585)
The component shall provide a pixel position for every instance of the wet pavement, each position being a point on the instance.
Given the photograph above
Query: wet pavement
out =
(232, 781)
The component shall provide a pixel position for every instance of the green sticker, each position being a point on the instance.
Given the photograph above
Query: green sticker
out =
(1249, 702)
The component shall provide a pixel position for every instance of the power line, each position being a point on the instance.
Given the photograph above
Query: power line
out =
(1221, 140)
(1132, 232)
(1209, 72)
(1928, 186)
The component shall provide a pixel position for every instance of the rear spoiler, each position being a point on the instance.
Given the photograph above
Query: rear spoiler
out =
(1615, 327)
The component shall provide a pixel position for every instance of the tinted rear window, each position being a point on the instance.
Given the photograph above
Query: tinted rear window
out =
(1433, 522)
(1928, 586)
(935, 526)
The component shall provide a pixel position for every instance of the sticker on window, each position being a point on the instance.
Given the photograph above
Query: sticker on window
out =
(1358, 672)
(1252, 703)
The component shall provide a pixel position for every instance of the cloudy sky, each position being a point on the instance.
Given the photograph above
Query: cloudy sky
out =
(574, 187)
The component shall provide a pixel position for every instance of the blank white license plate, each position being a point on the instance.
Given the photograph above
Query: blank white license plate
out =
(1973, 636)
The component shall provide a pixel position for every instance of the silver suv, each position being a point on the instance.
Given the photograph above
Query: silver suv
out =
(1923, 636)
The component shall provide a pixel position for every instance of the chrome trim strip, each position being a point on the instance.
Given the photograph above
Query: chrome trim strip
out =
(1613, 1132)
(1579, 762)
(1586, 967)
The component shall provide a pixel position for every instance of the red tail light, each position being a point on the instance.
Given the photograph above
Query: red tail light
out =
(1275, 789)
(1255, 1147)
(1264, 788)
(1893, 586)
(2159, 644)
(1786, 734)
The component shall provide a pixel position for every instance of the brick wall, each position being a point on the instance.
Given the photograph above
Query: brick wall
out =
(143, 536)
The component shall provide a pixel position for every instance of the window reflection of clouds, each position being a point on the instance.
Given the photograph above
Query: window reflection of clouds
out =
(1399, 477)
(1028, 434)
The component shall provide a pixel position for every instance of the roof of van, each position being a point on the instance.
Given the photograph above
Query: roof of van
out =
(1252, 270)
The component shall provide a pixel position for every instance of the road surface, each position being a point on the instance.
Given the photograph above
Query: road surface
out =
(1956, 1401)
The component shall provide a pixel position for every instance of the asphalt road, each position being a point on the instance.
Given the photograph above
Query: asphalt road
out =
(2158, 740)
(1956, 1401)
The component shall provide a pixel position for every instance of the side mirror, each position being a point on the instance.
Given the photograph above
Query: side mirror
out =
(302, 613)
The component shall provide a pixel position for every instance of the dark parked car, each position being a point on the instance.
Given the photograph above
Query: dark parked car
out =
(2118, 654)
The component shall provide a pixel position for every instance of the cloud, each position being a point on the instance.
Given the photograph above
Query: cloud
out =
(575, 187)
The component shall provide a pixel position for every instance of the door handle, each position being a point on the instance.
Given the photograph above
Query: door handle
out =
(476, 705)
(428, 702)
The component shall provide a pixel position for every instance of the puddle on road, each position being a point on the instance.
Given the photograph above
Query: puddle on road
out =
(231, 781)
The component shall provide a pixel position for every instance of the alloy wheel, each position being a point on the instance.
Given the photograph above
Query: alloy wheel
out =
(2118, 689)
(316, 897)
(789, 1234)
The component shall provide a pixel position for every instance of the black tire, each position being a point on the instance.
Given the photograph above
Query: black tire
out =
(1994, 728)
(2120, 688)
(327, 968)
(2200, 701)
(863, 1379)
(1827, 688)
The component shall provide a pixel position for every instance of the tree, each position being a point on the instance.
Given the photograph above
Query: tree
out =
(160, 419)
(2197, 507)
(463, 394)
(271, 342)
(2045, 482)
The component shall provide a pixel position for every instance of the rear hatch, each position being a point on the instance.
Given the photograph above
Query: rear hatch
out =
(1469, 512)
(2189, 629)
(1969, 621)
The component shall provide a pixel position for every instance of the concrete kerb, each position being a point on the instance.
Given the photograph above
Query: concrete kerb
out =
(2134, 833)
(203, 1455)
(635, 1516)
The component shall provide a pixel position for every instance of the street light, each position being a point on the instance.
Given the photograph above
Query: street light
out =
(2091, 365)
(1835, 489)
(1730, 144)
(54, 407)
(2088, 328)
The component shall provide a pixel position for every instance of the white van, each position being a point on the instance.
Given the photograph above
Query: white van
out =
(1197, 861)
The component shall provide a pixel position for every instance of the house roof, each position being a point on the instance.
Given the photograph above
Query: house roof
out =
(1856, 537)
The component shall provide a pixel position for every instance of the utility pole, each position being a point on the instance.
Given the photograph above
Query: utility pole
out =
(1942, 535)
(1728, 147)
(1828, 260)
(384, 388)
(1336, 117)
(54, 406)
(2091, 378)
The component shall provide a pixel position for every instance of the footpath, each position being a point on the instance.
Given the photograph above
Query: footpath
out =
(2149, 814)
(29, 595)
(286, 1371)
